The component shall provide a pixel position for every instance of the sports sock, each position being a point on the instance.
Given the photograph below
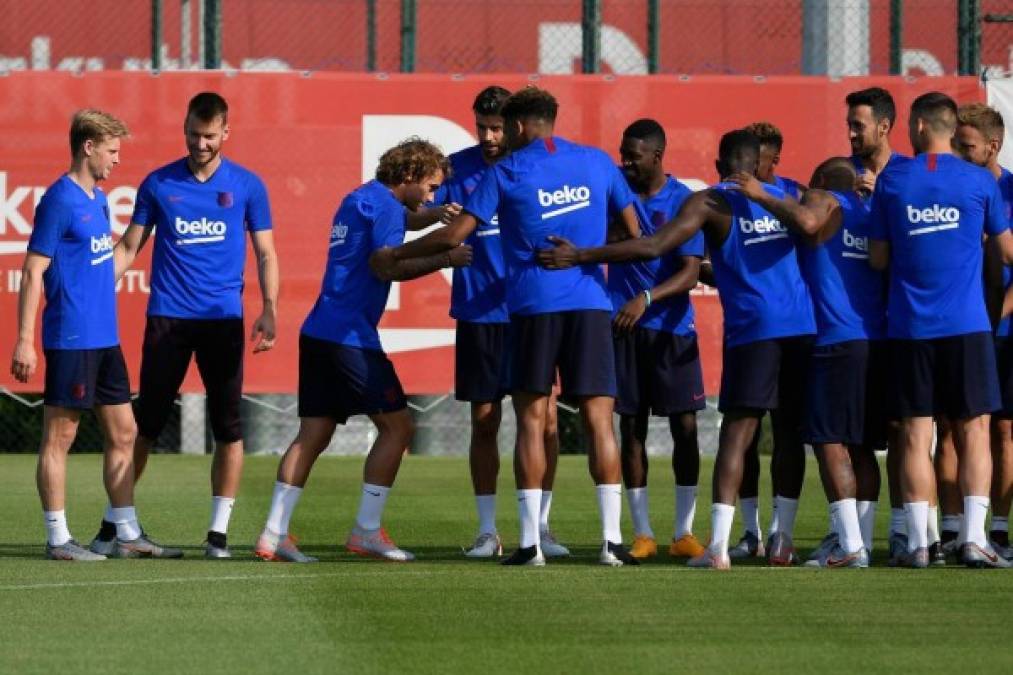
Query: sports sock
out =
(786, 510)
(529, 503)
(639, 513)
(775, 522)
(951, 522)
(610, 507)
(685, 510)
(486, 505)
(849, 533)
(57, 533)
(835, 522)
(221, 511)
(543, 513)
(917, 525)
(125, 519)
(374, 498)
(283, 503)
(867, 521)
(932, 525)
(722, 516)
(975, 512)
(898, 521)
(751, 515)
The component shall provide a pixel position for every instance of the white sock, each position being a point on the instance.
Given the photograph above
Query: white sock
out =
(57, 533)
(849, 533)
(108, 515)
(951, 523)
(835, 522)
(125, 519)
(685, 510)
(374, 498)
(975, 512)
(917, 525)
(221, 511)
(639, 513)
(775, 522)
(283, 502)
(867, 521)
(486, 505)
(898, 521)
(529, 504)
(543, 514)
(721, 527)
(751, 515)
(999, 524)
(786, 510)
(610, 507)
(933, 524)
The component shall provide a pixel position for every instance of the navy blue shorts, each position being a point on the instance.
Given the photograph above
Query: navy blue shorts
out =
(578, 343)
(339, 381)
(954, 376)
(877, 396)
(658, 372)
(481, 366)
(765, 375)
(1004, 363)
(83, 378)
(835, 393)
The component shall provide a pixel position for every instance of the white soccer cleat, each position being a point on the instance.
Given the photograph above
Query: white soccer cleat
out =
(616, 555)
(551, 547)
(487, 545)
(711, 559)
(269, 548)
(376, 544)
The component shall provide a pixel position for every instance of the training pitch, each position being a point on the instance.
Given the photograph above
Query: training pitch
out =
(446, 614)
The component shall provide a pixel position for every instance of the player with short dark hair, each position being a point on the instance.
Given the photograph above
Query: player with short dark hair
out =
(200, 208)
(343, 370)
(771, 144)
(767, 335)
(657, 358)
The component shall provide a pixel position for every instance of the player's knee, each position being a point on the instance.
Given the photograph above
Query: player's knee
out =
(485, 426)
(123, 437)
(398, 426)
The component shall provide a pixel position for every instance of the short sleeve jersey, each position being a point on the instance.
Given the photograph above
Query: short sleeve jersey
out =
(1006, 190)
(200, 237)
(551, 187)
(72, 229)
(789, 186)
(352, 298)
(674, 314)
(933, 212)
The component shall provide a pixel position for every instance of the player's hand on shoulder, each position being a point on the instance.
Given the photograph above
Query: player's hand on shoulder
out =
(24, 361)
(747, 183)
(630, 313)
(460, 256)
(562, 255)
(449, 211)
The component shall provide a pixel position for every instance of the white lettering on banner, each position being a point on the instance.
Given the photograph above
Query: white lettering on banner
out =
(560, 44)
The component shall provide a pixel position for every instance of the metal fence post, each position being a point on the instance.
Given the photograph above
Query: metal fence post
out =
(185, 25)
(653, 36)
(409, 27)
(591, 37)
(371, 35)
(212, 34)
(156, 34)
(896, 36)
(968, 37)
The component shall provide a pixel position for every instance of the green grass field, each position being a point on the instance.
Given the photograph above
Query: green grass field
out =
(446, 614)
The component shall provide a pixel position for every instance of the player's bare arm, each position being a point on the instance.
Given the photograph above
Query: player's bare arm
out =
(1004, 242)
(129, 246)
(265, 327)
(424, 217)
(25, 360)
(413, 268)
(681, 282)
(879, 254)
(384, 261)
(816, 218)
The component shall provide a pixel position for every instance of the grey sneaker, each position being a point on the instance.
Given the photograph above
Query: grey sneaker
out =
(1004, 551)
(818, 557)
(917, 559)
(749, 546)
(782, 551)
(269, 548)
(143, 547)
(213, 552)
(487, 545)
(838, 557)
(550, 546)
(72, 551)
(976, 556)
(103, 547)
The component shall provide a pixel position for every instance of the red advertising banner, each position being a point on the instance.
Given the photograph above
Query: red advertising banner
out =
(313, 139)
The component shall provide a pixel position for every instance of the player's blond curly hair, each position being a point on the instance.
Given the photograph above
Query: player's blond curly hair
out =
(95, 126)
(410, 161)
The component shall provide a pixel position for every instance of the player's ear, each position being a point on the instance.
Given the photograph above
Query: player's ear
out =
(225, 132)
(88, 147)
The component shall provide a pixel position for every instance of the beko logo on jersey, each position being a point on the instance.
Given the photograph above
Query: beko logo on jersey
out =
(201, 231)
(935, 217)
(339, 232)
(767, 227)
(860, 246)
(103, 245)
(569, 198)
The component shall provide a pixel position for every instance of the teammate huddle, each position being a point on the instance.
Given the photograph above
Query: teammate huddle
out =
(854, 302)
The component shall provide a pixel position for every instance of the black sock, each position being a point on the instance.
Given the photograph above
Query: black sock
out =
(216, 539)
(107, 532)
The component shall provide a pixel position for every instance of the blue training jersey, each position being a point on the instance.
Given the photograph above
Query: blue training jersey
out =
(1006, 190)
(625, 280)
(789, 186)
(933, 211)
(849, 297)
(551, 187)
(72, 230)
(757, 274)
(200, 237)
(352, 298)
(478, 293)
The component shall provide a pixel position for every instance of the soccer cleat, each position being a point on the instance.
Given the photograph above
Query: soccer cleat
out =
(376, 544)
(72, 551)
(710, 559)
(822, 552)
(487, 545)
(143, 547)
(531, 556)
(616, 555)
(686, 546)
(749, 546)
(644, 547)
(916, 559)
(782, 550)
(898, 548)
(103, 547)
(977, 556)
(949, 544)
(213, 552)
(937, 556)
(550, 546)
(1004, 551)
(270, 549)
(838, 557)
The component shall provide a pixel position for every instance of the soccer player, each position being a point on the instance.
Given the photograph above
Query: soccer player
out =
(768, 332)
(201, 208)
(478, 302)
(771, 144)
(845, 381)
(70, 257)
(978, 140)
(928, 219)
(657, 359)
(550, 186)
(343, 370)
